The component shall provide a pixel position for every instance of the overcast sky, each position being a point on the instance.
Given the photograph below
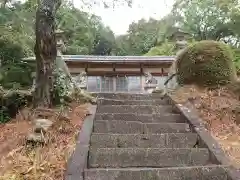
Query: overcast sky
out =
(118, 19)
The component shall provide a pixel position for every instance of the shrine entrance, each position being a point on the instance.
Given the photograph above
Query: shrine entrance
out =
(114, 83)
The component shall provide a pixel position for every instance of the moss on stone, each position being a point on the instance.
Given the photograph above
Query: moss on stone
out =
(206, 63)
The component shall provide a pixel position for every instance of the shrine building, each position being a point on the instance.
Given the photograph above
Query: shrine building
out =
(119, 73)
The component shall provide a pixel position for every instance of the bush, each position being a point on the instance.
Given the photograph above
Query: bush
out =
(11, 102)
(16, 75)
(62, 87)
(165, 49)
(237, 59)
(10, 52)
(206, 63)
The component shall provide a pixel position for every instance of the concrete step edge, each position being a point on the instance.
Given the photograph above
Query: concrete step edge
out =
(147, 123)
(138, 114)
(122, 100)
(158, 106)
(149, 168)
(100, 149)
(134, 134)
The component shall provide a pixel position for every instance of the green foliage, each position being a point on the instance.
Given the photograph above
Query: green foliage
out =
(141, 37)
(11, 101)
(17, 24)
(82, 96)
(166, 49)
(9, 52)
(66, 90)
(237, 58)
(144, 35)
(62, 87)
(206, 63)
(85, 33)
(17, 75)
(122, 47)
(208, 19)
(104, 42)
(14, 73)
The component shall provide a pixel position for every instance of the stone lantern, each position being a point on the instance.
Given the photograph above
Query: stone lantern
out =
(60, 63)
(179, 37)
(60, 42)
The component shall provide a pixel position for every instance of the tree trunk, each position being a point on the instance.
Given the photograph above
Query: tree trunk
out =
(45, 51)
(4, 3)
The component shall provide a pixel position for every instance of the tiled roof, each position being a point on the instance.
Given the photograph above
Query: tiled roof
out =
(90, 58)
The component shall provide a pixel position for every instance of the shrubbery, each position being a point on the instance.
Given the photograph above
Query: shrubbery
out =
(206, 63)
(165, 49)
(11, 102)
(237, 59)
(14, 73)
(62, 87)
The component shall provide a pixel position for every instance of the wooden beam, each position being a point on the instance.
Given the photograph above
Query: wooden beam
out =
(160, 74)
(101, 73)
(86, 68)
(141, 68)
(114, 67)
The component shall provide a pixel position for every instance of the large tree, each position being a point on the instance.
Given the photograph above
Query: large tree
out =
(206, 19)
(45, 51)
(143, 35)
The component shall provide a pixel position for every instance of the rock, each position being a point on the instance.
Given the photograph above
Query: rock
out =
(158, 91)
(44, 113)
(42, 125)
(35, 138)
(236, 112)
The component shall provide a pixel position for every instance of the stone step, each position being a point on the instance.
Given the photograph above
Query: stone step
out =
(122, 96)
(132, 102)
(134, 127)
(177, 173)
(147, 157)
(143, 109)
(145, 118)
(167, 140)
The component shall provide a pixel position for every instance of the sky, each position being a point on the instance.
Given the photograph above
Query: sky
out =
(119, 18)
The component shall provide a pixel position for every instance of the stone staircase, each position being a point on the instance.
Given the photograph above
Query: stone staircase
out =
(143, 137)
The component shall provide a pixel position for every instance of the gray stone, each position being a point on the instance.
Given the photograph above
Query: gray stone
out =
(143, 109)
(118, 127)
(181, 140)
(171, 118)
(36, 138)
(133, 102)
(134, 127)
(158, 128)
(147, 157)
(178, 140)
(78, 160)
(121, 96)
(41, 125)
(128, 140)
(177, 173)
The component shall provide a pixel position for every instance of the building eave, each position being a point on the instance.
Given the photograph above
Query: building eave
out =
(114, 59)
